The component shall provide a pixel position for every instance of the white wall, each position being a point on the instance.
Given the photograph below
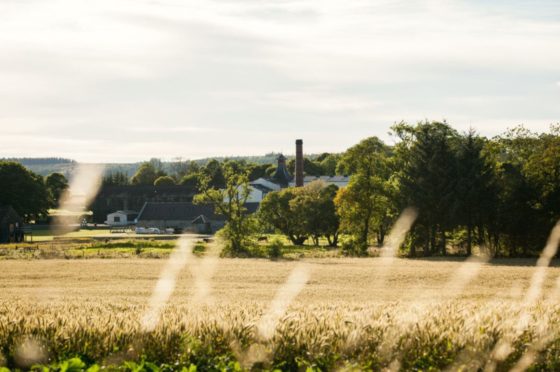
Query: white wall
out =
(121, 216)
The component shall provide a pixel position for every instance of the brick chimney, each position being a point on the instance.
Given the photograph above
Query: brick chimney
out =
(299, 163)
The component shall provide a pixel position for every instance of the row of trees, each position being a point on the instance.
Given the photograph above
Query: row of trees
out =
(190, 173)
(299, 213)
(500, 194)
(302, 213)
(28, 193)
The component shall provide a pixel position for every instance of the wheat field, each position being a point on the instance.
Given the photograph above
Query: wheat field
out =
(351, 314)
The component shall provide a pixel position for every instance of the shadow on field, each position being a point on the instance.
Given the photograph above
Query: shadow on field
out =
(528, 262)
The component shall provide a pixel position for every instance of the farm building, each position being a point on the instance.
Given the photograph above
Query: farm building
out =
(183, 215)
(282, 178)
(133, 197)
(11, 226)
(121, 218)
(180, 215)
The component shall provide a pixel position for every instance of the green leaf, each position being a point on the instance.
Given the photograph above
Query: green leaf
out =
(72, 365)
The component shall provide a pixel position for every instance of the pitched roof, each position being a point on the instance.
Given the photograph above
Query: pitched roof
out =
(176, 211)
(262, 188)
(281, 175)
(125, 212)
(183, 211)
(200, 220)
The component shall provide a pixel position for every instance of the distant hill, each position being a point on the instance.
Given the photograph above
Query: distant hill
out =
(46, 166)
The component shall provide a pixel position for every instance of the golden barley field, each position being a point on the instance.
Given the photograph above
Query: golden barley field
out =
(239, 314)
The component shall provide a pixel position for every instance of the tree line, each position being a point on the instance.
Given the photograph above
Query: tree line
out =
(190, 173)
(30, 194)
(499, 195)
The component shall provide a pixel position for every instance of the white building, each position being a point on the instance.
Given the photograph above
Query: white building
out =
(282, 179)
(121, 218)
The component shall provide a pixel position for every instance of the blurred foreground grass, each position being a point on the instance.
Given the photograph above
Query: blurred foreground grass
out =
(348, 317)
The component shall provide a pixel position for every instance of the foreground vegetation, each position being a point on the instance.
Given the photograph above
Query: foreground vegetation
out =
(452, 335)
(348, 316)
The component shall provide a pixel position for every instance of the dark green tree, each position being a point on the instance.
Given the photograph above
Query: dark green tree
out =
(191, 180)
(310, 167)
(230, 201)
(147, 174)
(277, 211)
(164, 181)
(475, 192)
(56, 184)
(214, 174)
(365, 206)
(24, 190)
(426, 157)
(518, 226)
(116, 178)
(313, 206)
(329, 164)
(258, 171)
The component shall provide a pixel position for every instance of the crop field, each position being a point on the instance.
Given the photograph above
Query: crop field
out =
(315, 314)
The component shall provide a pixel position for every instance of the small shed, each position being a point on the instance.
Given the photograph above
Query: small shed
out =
(121, 218)
(11, 226)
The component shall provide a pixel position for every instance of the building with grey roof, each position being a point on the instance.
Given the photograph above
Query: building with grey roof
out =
(186, 216)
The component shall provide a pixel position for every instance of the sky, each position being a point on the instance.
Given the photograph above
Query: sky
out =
(128, 80)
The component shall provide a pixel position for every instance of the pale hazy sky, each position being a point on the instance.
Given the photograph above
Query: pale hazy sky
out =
(123, 80)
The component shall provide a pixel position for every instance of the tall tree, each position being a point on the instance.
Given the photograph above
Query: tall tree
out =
(475, 191)
(180, 168)
(518, 226)
(258, 171)
(56, 184)
(230, 202)
(427, 162)
(365, 205)
(277, 210)
(542, 170)
(314, 210)
(24, 190)
(116, 178)
(164, 181)
(147, 173)
(214, 174)
(191, 180)
(310, 167)
(329, 163)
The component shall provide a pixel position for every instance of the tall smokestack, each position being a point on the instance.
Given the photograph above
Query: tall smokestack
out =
(299, 163)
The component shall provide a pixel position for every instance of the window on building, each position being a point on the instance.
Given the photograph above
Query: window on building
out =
(117, 219)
